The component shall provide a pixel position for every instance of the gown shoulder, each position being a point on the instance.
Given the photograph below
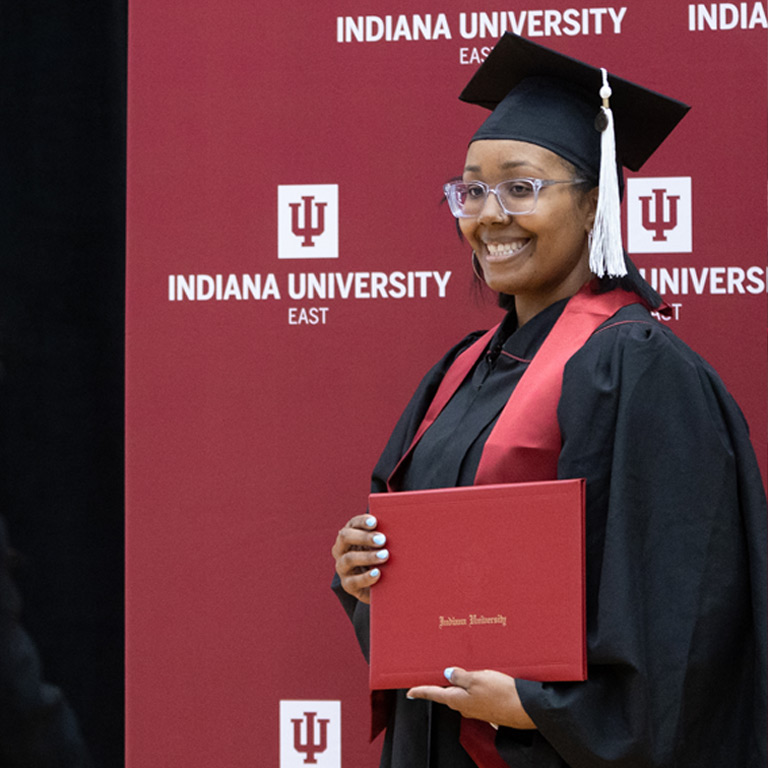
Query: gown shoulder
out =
(676, 560)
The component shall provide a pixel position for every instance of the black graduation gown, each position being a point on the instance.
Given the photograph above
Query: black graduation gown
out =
(676, 559)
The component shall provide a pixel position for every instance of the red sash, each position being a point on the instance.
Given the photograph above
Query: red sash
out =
(525, 442)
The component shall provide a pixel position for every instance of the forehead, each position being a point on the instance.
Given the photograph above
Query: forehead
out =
(505, 156)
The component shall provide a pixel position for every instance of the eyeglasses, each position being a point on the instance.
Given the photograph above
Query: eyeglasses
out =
(516, 197)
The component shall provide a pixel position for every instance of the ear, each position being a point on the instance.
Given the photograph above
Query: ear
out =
(590, 202)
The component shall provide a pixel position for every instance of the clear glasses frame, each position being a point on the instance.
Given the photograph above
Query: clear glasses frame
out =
(516, 197)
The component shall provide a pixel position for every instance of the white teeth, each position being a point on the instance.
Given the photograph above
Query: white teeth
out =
(504, 249)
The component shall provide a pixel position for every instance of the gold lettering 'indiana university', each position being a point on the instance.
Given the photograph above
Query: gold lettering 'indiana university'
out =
(473, 620)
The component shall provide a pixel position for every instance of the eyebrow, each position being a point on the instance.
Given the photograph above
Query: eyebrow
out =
(506, 166)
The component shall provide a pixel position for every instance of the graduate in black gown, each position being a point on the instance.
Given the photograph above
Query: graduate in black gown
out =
(676, 510)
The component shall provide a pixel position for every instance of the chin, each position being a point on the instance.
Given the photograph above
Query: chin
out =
(500, 285)
(501, 288)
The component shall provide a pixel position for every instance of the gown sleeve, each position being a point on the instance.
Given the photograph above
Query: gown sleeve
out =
(676, 565)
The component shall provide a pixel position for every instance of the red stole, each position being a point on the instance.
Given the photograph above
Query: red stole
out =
(525, 443)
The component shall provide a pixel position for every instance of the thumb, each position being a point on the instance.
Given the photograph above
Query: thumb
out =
(457, 676)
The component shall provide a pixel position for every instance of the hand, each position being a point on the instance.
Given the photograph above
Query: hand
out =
(358, 553)
(483, 695)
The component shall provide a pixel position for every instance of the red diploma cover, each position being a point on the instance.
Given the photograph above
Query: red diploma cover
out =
(480, 577)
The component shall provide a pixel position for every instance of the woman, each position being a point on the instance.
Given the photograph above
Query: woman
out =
(676, 536)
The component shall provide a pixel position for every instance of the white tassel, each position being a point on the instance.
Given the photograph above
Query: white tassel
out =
(606, 254)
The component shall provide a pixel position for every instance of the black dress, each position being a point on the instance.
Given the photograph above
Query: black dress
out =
(676, 555)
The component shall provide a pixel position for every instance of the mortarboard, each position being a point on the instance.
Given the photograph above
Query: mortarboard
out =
(546, 98)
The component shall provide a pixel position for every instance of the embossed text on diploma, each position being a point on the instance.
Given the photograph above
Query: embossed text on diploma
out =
(471, 621)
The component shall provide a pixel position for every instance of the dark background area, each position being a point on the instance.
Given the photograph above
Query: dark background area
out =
(62, 138)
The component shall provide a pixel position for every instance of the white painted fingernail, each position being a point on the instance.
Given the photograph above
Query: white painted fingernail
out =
(379, 539)
(373, 573)
(448, 672)
(382, 554)
(371, 522)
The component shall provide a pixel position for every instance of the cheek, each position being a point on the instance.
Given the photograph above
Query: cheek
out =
(467, 227)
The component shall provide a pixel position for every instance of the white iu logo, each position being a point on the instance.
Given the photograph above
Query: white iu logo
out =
(310, 734)
(308, 221)
(659, 218)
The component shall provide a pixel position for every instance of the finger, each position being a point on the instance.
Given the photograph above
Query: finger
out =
(365, 579)
(357, 561)
(458, 677)
(363, 522)
(454, 694)
(360, 585)
(368, 523)
(452, 697)
(358, 534)
(431, 692)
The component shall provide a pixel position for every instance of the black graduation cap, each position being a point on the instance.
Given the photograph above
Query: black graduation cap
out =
(547, 98)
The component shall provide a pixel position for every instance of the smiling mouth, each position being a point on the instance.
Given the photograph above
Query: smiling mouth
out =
(499, 251)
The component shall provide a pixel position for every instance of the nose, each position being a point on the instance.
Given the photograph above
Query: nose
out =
(492, 209)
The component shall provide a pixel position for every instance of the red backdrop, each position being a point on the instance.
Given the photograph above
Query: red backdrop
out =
(255, 416)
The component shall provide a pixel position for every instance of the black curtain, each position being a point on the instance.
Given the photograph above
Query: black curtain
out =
(62, 139)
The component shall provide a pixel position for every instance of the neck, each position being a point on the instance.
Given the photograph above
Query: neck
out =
(527, 307)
